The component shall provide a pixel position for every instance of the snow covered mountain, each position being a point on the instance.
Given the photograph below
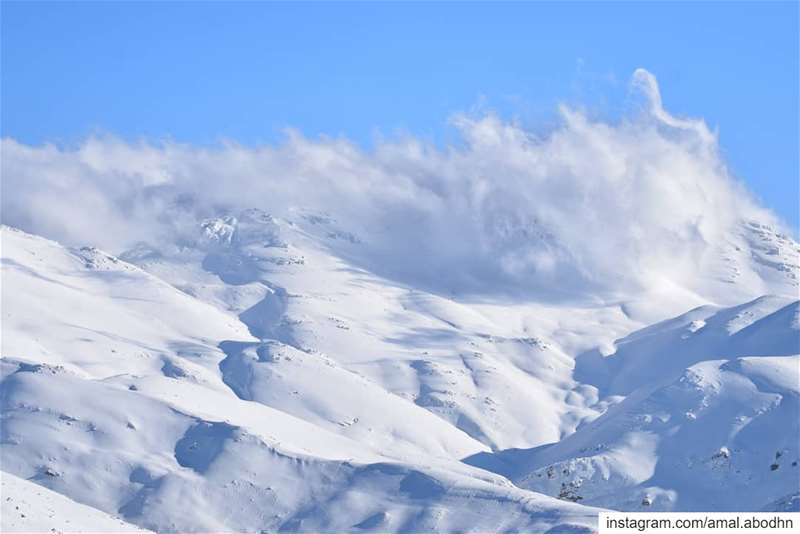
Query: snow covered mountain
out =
(254, 380)
(146, 403)
(508, 335)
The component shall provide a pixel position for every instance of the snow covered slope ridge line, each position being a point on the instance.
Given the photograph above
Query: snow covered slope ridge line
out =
(766, 326)
(586, 210)
(114, 395)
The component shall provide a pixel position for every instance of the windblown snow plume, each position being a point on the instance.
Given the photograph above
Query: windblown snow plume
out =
(589, 207)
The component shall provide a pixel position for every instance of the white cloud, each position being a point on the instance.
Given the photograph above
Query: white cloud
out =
(589, 205)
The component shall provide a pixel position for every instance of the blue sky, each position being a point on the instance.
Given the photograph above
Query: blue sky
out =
(201, 72)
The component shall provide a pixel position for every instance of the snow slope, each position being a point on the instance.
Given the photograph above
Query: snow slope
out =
(702, 441)
(711, 410)
(29, 507)
(259, 377)
(124, 403)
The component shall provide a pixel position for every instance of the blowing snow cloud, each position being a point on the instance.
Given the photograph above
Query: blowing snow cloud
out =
(588, 206)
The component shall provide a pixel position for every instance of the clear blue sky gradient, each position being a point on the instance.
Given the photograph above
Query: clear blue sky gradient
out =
(202, 72)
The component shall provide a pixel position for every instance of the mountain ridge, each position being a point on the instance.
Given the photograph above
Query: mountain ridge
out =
(257, 340)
